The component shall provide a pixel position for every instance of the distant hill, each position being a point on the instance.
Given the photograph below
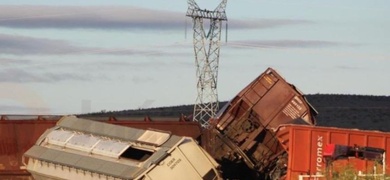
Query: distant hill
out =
(347, 111)
(352, 111)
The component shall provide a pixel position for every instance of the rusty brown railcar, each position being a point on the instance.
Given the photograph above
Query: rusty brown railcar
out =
(19, 132)
(306, 146)
(243, 133)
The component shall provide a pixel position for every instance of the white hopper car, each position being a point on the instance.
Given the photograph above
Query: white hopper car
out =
(84, 149)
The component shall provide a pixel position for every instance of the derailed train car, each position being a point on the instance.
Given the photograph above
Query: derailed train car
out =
(243, 134)
(84, 149)
(18, 133)
(327, 152)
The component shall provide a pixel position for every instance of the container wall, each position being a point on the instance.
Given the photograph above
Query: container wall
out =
(306, 147)
(187, 161)
(16, 137)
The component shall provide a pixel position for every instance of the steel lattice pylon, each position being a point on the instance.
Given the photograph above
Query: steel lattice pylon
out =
(206, 47)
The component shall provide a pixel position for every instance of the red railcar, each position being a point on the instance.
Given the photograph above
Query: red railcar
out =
(305, 147)
(244, 131)
(19, 132)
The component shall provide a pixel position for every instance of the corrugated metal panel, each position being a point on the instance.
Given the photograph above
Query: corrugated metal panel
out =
(16, 137)
(59, 137)
(172, 141)
(84, 142)
(103, 145)
(61, 157)
(35, 151)
(100, 128)
(115, 169)
(305, 146)
(110, 148)
(93, 164)
(154, 137)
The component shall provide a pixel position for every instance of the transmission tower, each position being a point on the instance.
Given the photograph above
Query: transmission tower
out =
(206, 47)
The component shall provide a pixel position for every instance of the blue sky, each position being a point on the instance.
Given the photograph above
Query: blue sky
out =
(58, 57)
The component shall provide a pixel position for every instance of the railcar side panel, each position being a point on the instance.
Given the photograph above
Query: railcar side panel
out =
(305, 147)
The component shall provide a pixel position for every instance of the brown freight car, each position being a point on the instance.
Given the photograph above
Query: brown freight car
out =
(243, 133)
(19, 132)
(306, 151)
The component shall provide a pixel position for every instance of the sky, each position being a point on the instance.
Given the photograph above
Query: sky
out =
(70, 57)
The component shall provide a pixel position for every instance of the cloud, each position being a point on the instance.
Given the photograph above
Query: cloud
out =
(11, 109)
(19, 45)
(347, 67)
(265, 23)
(54, 72)
(123, 51)
(140, 79)
(88, 17)
(286, 44)
(9, 61)
(22, 76)
(24, 45)
(113, 17)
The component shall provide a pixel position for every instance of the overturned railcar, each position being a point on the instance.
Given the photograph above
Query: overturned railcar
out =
(243, 133)
(18, 133)
(83, 149)
(314, 152)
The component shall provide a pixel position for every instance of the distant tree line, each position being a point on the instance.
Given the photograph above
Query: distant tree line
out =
(348, 111)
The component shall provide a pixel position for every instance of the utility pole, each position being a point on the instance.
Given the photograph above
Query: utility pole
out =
(206, 47)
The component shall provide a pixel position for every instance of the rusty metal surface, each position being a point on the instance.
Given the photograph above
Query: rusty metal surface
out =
(16, 137)
(243, 132)
(179, 126)
(305, 146)
(19, 132)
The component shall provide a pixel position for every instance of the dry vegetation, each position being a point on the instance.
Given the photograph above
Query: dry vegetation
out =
(349, 173)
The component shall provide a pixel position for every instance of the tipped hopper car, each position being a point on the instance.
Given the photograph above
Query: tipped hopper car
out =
(84, 149)
(18, 133)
